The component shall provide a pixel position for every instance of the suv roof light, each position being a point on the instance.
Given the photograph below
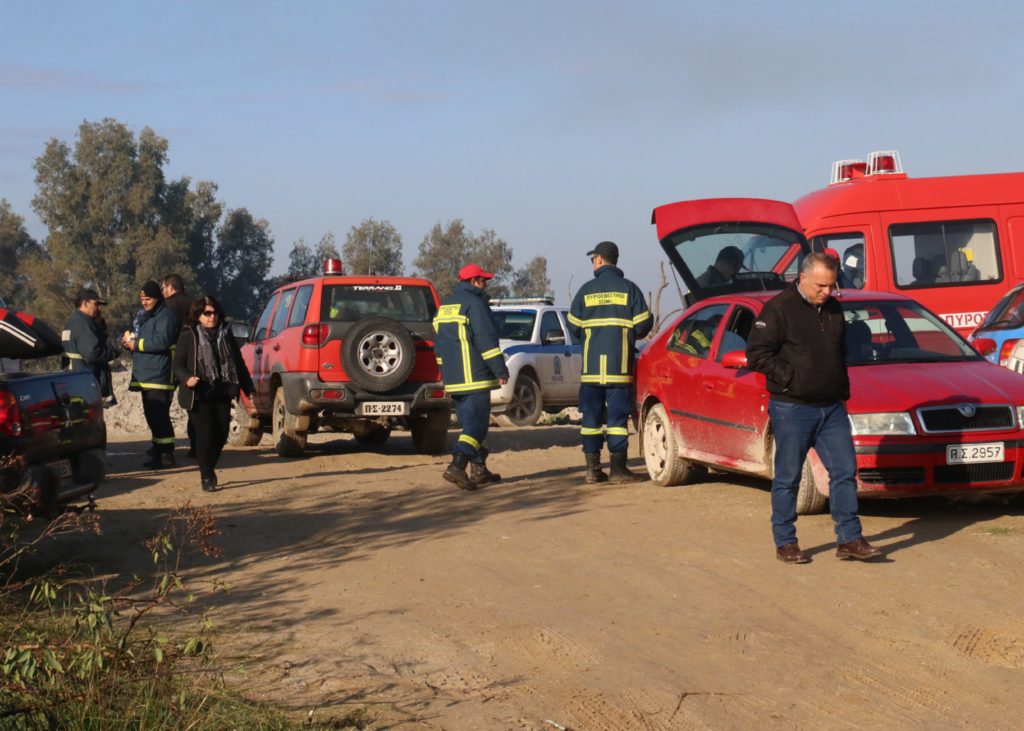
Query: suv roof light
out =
(884, 162)
(332, 266)
(523, 301)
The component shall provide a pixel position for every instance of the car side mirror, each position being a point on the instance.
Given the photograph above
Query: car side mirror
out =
(984, 346)
(734, 359)
(241, 331)
(553, 337)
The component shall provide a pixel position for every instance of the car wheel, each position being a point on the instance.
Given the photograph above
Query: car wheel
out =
(525, 407)
(244, 430)
(373, 436)
(287, 442)
(430, 431)
(378, 354)
(809, 501)
(661, 451)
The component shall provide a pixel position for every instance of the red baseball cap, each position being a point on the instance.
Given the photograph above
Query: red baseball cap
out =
(473, 270)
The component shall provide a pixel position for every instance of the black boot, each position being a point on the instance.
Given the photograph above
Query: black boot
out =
(594, 473)
(479, 474)
(619, 472)
(456, 472)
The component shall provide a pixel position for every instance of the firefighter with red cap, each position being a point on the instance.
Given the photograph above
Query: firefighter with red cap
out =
(472, 365)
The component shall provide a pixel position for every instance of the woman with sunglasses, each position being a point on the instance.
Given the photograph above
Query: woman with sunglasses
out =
(210, 369)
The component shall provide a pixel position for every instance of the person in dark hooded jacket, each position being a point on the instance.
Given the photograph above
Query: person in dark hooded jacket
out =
(151, 350)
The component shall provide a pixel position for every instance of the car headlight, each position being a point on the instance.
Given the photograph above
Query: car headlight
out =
(885, 424)
(1020, 416)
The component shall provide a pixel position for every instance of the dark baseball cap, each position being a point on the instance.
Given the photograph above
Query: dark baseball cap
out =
(733, 255)
(606, 250)
(86, 294)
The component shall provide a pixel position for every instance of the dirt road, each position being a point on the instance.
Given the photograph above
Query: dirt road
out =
(362, 579)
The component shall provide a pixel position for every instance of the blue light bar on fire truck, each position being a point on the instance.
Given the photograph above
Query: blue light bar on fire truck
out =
(884, 162)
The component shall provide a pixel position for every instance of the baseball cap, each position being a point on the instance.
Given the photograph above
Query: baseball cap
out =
(733, 255)
(606, 250)
(85, 294)
(473, 270)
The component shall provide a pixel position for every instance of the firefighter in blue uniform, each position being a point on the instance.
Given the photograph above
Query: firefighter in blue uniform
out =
(608, 313)
(472, 365)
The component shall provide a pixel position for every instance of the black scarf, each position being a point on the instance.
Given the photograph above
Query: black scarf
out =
(215, 365)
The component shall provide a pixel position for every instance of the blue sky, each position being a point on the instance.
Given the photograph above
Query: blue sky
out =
(556, 124)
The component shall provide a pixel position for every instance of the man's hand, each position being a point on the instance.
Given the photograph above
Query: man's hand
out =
(503, 381)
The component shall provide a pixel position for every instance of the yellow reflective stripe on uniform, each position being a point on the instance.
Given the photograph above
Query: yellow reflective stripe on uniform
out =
(438, 361)
(586, 348)
(575, 320)
(590, 431)
(154, 386)
(467, 366)
(618, 431)
(606, 322)
(469, 440)
(624, 366)
(75, 356)
(494, 353)
(163, 440)
(641, 317)
(605, 378)
(471, 386)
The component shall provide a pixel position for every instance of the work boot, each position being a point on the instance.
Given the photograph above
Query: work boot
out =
(619, 472)
(456, 472)
(594, 473)
(480, 475)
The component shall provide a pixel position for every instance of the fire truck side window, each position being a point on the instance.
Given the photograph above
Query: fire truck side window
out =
(850, 247)
(934, 254)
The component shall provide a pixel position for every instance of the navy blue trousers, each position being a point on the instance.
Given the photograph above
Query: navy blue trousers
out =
(473, 410)
(601, 405)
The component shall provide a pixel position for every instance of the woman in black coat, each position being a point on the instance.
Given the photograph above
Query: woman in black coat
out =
(209, 368)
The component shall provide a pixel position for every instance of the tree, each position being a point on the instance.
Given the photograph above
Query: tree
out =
(301, 261)
(444, 251)
(242, 260)
(532, 280)
(112, 218)
(16, 245)
(205, 212)
(373, 247)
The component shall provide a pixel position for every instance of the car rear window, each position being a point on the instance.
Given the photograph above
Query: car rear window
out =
(403, 302)
(514, 324)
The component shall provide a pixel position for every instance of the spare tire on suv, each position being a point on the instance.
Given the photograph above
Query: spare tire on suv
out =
(378, 354)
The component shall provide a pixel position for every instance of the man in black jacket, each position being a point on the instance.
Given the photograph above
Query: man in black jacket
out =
(798, 343)
(85, 341)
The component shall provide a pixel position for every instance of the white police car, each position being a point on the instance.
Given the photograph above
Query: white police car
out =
(543, 360)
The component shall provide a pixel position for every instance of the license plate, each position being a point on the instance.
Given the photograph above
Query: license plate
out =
(63, 467)
(968, 453)
(384, 408)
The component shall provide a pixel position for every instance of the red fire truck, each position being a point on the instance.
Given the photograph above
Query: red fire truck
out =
(947, 242)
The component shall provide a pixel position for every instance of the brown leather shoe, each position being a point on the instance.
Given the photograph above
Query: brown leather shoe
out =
(791, 553)
(859, 549)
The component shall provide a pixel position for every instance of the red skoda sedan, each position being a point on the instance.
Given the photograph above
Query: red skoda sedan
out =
(929, 414)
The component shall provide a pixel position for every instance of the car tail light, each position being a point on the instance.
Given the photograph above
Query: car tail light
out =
(314, 335)
(10, 415)
(1004, 352)
(436, 394)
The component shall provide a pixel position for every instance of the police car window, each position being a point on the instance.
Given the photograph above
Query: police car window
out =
(514, 324)
(693, 336)
(281, 313)
(301, 304)
(851, 250)
(937, 254)
(548, 322)
(734, 336)
(261, 324)
(572, 338)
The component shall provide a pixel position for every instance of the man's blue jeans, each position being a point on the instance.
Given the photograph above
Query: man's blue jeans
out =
(797, 428)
